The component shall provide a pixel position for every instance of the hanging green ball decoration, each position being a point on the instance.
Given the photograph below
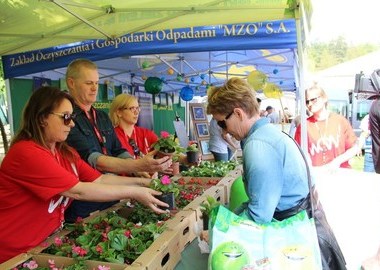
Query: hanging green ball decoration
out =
(179, 78)
(186, 93)
(153, 85)
(145, 65)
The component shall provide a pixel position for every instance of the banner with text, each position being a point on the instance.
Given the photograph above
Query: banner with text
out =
(244, 36)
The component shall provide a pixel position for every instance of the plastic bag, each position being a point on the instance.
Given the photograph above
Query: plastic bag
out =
(240, 243)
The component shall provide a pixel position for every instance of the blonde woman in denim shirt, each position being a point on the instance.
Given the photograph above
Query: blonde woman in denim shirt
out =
(274, 171)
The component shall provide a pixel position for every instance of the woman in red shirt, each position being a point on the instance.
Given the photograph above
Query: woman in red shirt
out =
(124, 114)
(41, 174)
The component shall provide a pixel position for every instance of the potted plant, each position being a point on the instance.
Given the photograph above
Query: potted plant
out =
(192, 152)
(167, 145)
(169, 190)
(206, 209)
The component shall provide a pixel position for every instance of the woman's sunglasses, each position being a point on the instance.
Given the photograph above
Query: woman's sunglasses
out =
(67, 117)
(222, 123)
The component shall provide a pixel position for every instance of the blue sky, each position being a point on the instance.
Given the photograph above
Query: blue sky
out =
(357, 21)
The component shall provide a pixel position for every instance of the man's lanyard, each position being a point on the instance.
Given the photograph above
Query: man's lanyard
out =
(92, 119)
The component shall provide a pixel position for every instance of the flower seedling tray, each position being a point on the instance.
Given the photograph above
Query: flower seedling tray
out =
(45, 260)
(218, 192)
(201, 181)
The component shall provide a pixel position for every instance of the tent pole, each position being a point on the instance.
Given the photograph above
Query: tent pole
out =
(300, 89)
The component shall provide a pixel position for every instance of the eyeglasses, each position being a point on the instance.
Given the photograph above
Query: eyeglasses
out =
(312, 100)
(67, 117)
(222, 123)
(136, 150)
(132, 109)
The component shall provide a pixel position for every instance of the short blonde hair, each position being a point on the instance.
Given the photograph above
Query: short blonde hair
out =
(316, 87)
(235, 93)
(120, 102)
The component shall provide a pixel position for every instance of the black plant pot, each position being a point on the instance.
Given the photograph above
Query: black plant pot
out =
(168, 198)
(205, 222)
(192, 157)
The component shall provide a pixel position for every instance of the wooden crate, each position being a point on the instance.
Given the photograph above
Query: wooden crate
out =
(163, 254)
(185, 223)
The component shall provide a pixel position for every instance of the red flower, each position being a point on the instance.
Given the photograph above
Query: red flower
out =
(128, 234)
(79, 251)
(165, 134)
(99, 249)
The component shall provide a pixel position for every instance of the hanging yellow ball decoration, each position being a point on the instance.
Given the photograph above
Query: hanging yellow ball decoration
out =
(257, 80)
(143, 77)
(170, 71)
(271, 90)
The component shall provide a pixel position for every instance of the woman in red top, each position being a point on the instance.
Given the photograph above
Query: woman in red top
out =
(41, 174)
(331, 139)
(124, 114)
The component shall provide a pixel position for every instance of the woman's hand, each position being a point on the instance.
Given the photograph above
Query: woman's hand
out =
(146, 196)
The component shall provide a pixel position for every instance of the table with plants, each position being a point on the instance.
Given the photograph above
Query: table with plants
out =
(130, 236)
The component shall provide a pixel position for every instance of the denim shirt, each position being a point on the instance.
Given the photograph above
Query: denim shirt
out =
(83, 138)
(275, 175)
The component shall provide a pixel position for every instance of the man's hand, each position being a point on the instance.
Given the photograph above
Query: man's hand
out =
(150, 164)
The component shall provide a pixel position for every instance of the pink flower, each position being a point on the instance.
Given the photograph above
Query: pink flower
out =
(30, 265)
(165, 180)
(103, 267)
(52, 265)
(58, 241)
(165, 134)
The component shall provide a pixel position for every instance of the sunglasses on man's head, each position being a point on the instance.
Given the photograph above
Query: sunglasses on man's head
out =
(222, 123)
(67, 117)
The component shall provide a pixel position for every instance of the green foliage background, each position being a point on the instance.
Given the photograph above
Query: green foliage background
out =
(322, 55)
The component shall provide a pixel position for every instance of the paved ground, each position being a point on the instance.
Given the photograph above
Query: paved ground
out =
(352, 204)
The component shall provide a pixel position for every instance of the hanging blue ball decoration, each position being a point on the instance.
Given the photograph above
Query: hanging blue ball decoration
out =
(202, 76)
(275, 71)
(281, 82)
(153, 85)
(192, 79)
(186, 93)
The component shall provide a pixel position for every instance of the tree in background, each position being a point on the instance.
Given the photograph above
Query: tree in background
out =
(322, 55)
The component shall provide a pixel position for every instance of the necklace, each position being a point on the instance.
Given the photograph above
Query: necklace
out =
(322, 139)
